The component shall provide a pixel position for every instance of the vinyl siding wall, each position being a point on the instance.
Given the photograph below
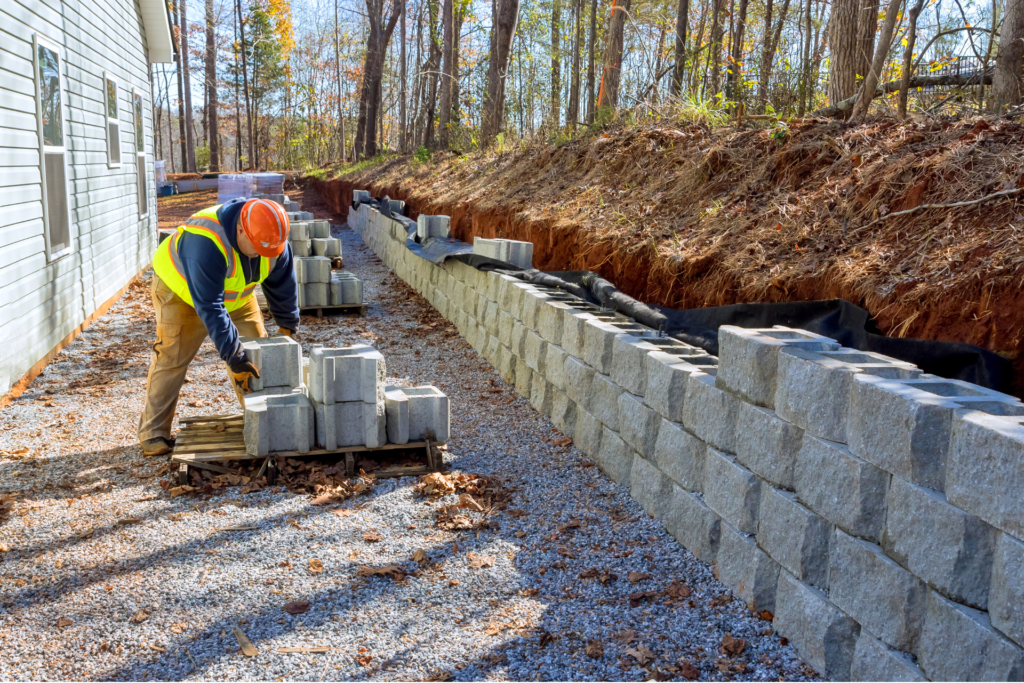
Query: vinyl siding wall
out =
(41, 302)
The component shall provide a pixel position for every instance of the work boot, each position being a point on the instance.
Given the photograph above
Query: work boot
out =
(157, 446)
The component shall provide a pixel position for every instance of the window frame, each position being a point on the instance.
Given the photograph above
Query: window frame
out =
(116, 120)
(140, 155)
(38, 41)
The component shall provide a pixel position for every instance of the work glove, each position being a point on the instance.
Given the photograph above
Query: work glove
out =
(241, 373)
(285, 332)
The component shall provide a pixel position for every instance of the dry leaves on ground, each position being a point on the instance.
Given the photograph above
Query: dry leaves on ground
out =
(641, 653)
(392, 570)
(595, 649)
(297, 606)
(688, 670)
(420, 556)
(6, 506)
(316, 566)
(63, 622)
(602, 575)
(371, 537)
(636, 577)
(733, 646)
(141, 615)
(479, 561)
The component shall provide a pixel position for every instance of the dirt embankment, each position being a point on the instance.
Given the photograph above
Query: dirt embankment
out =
(690, 218)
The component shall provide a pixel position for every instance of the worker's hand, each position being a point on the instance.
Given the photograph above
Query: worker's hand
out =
(241, 373)
(285, 332)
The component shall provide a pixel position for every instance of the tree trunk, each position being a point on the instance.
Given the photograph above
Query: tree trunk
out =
(843, 46)
(591, 39)
(403, 131)
(805, 75)
(556, 63)
(908, 58)
(212, 124)
(608, 96)
(874, 73)
(190, 144)
(843, 108)
(447, 54)
(245, 85)
(1006, 78)
(682, 19)
(374, 110)
(867, 27)
(460, 17)
(573, 114)
(737, 52)
(181, 95)
(434, 63)
(497, 70)
(715, 55)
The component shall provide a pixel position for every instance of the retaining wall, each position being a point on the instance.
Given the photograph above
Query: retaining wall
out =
(876, 511)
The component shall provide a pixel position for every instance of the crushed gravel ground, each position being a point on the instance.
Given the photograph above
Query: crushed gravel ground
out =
(103, 576)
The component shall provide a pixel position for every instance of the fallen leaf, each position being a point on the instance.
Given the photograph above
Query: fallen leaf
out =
(479, 561)
(636, 599)
(365, 660)
(297, 606)
(733, 646)
(637, 577)
(248, 649)
(565, 552)
(286, 564)
(129, 520)
(767, 616)
(342, 512)
(371, 537)
(4, 548)
(519, 534)
(316, 566)
(677, 590)
(220, 428)
(178, 628)
(467, 502)
(392, 570)
(642, 654)
(595, 649)
(565, 441)
(688, 670)
(316, 648)
(63, 623)
(570, 526)
(157, 648)
(141, 615)
(625, 637)
(420, 556)
(721, 600)
(783, 641)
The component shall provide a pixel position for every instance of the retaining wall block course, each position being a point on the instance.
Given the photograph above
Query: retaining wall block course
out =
(278, 360)
(603, 401)
(482, 302)
(492, 285)
(881, 595)
(986, 469)
(767, 445)
(541, 395)
(505, 324)
(947, 547)
(472, 301)
(506, 364)
(842, 488)
(563, 413)
(554, 365)
(491, 318)
(353, 373)
(731, 490)
(549, 320)
(710, 413)
(536, 350)
(574, 331)
(598, 339)
(578, 377)
(514, 298)
(823, 635)
(813, 392)
(457, 293)
(665, 386)
(587, 437)
(638, 424)
(681, 456)
(959, 644)
(441, 303)
(629, 362)
(518, 344)
(693, 524)
(749, 358)
(524, 377)
(873, 660)
(794, 536)
(1006, 599)
(533, 300)
(278, 422)
(615, 457)
(491, 354)
(746, 570)
(650, 487)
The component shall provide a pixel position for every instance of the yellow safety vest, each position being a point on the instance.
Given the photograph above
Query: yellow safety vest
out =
(168, 267)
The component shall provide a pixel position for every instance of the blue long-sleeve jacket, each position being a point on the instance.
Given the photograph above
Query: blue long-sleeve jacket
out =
(206, 269)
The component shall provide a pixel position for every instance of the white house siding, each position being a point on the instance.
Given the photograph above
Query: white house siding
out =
(42, 303)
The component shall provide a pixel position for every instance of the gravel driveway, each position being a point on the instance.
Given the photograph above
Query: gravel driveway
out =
(103, 576)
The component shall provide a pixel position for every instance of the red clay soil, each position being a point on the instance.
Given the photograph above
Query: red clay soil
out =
(688, 218)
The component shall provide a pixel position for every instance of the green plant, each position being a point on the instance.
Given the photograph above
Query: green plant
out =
(422, 154)
(711, 112)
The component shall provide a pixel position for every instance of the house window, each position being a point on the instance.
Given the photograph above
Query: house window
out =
(113, 123)
(52, 147)
(140, 154)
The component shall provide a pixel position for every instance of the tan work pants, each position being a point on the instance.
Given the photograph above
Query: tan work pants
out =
(179, 334)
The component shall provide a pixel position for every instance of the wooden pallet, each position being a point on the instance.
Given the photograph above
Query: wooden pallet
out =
(205, 440)
(344, 308)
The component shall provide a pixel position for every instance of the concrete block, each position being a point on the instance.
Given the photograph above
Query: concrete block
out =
(563, 413)
(278, 423)
(578, 378)
(842, 488)
(359, 196)
(533, 300)
(959, 644)
(346, 289)
(327, 246)
(298, 231)
(554, 365)
(319, 229)
(541, 395)
(732, 491)
(710, 413)
(881, 595)
(518, 345)
(873, 660)
(429, 413)
(1006, 599)
(767, 445)
(505, 324)
(614, 457)
(301, 248)
(278, 360)
(517, 253)
(746, 570)
(313, 269)
(598, 341)
(587, 436)
(305, 372)
(824, 637)
(603, 401)
(681, 456)
(638, 424)
(353, 373)
(432, 226)
(947, 547)
(693, 524)
(574, 329)
(549, 320)
(524, 378)
(666, 381)
(794, 536)
(986, 469)
(396, 412)
(506, 365)
(490, 320)
(535, 349)
(650, 487)
(491, 354)
(315, 294)
(352, 423)
(629, 362)
(748, 359)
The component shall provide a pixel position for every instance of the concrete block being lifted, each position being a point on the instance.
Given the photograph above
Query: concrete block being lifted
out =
(417, 413)
(313, 269)
(278, 360)
(276, 423)
(432, 226)
(352, 423)
(346, 289)
(319, 229)
(354, 373)
(326, 246)
(517, 253)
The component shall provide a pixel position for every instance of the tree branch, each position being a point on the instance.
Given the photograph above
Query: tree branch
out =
(843, 108)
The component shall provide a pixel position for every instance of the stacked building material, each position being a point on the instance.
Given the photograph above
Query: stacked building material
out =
(416, 413)
(298, 235)
(347, 387)
(278, 414)
(313, 275)
(346, 289)
(510, 251)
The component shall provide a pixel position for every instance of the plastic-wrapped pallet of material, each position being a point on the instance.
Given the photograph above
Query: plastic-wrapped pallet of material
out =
(346, 289)
(269, 183)
(233, 185)
(160, 171)
(326, 246)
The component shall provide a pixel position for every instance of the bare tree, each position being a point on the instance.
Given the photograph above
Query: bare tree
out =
(682, 18)
(505, 20)
(874, 73)
(403, 133)
(908, 56)
(1006, 78)
(373, 74)
(608, 95)
(447, 73)
(867, 27)
(715, 54)
(737, 51)
(212, 122)
(842, 31)
(591, 39)
(556, 62)
(245, 82)
(573, 114)
(190, 145)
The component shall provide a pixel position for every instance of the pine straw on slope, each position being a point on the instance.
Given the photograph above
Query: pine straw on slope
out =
(686, 217)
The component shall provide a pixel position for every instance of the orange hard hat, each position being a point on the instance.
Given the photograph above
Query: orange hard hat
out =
(265, 223)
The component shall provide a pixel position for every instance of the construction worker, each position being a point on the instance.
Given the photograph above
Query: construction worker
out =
(204, 277)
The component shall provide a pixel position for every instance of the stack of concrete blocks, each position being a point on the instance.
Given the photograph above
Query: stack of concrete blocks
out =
(346, 289)
(875, 510)
(278, 414)
(290, 205)
(517, 253)
(431, 226)
(298, 236)
(416, 413)
(347, 388)
(300, 215)
(313, 275)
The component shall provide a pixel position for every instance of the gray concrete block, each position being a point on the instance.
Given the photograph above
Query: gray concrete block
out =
(822, 634)
(536, 349)
(491, 318)
(650, 487)
(681, 456)
(1006, 599)
(298, 231)
(554, 365)
(710, 413)
(794, 536)
(578, 378)
(315, 294)
(491, 354)
(301, 248)
(517, 253)
(532, 301)
(667, 378)
(732, 491)
(873, 660)
(638, 424)
(549, 320)
(327, 246)
(352, 423)
(506, 365)
(278, 360)
(947, 547)
(346, 289)
(505, 325)
(563, 413)
(524, 378)
(319, 229)
(541, 395)
(429, 414)
(767, 445)
(693, 524)
(986, 469)
(313, 269)
(842, 488)
(603, 401)
(959, 644)
(587, 436)
(518, 345)
(746, 570)
(353, 373)
(432, 226)
(396, 412)
(275, 423)
(614, 457)
(881, 595)
(629, 362)
(748, 359)
(598, 342)
(573, 338)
